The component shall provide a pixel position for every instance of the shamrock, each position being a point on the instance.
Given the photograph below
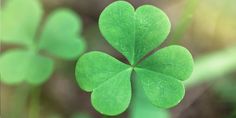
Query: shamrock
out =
(20, 21)
(134, 33)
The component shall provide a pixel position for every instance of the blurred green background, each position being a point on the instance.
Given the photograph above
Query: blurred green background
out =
(206, 27)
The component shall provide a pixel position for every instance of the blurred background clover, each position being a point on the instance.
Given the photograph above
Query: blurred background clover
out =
(28, 59)
(20, 26)
(206, 27)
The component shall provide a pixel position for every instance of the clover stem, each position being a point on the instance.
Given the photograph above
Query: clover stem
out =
(34, 109)
(140, 101)
(134, 88)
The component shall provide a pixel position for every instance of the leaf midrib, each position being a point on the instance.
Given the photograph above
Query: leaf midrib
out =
(112, 77)
(133, 56)
(155, 72)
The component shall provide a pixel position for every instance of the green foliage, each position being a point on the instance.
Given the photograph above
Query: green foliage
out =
(19, 65)
(141, 107)
(20, 21)
(163, 91)
(220, 63)
(134, 34)
(121, 24)
(59, 36)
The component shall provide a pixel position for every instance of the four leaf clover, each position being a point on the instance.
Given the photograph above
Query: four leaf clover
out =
(20, 20)
(134, 33)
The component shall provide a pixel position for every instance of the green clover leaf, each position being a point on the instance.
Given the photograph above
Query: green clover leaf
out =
(135, 30)
(19, 65)
(134, 34)
(59, 36)
(20, 20)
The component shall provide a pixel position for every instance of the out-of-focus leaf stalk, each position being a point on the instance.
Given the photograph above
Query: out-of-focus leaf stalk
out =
(213, 66)
(34, 109)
